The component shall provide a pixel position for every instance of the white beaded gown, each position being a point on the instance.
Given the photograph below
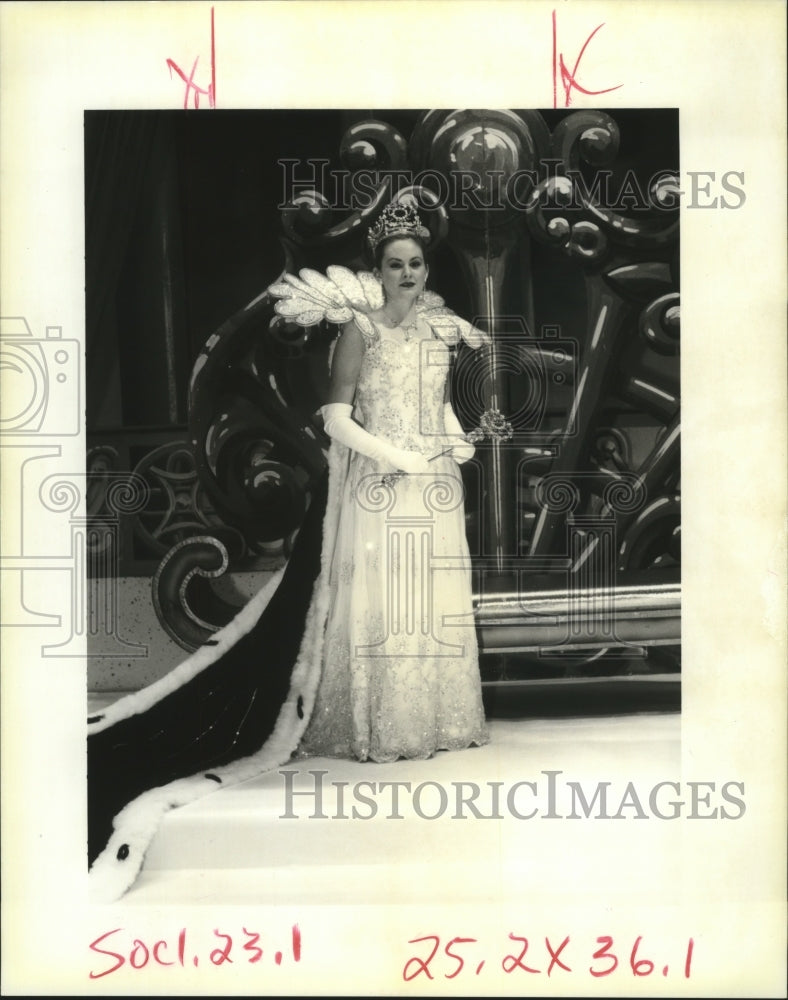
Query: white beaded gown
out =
(400, 670)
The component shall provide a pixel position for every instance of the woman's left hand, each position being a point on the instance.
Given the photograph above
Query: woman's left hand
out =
(462, 451)
(461, 448)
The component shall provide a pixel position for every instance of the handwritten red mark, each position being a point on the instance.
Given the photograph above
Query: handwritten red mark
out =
(221, 955)
(510, 962)
(103, 951)
(640, 966)
(420, 965)
(604, 952)
(569, 80)
(555, 955)
(140, 954)
(296, 943)
(192, 89)
(688, 963)
(457, 958)
(446, 961)
(251, 945)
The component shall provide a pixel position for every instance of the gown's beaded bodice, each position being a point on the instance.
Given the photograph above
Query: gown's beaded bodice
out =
(401, 389)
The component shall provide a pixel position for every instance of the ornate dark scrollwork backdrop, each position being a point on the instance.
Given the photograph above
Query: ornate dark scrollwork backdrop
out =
(558, 232)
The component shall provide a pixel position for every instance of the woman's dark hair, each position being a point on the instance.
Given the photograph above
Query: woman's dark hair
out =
(378, 254)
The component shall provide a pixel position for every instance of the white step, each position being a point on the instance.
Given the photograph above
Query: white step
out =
(237, 844)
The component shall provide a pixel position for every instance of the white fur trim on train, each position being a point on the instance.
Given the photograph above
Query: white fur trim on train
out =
(117, 867)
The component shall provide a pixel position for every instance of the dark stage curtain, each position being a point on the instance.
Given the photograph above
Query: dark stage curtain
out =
(125, 152)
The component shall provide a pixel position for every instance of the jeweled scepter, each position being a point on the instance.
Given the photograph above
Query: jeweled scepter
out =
(492, 424)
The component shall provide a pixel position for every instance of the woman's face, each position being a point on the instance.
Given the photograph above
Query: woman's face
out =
(403, 270)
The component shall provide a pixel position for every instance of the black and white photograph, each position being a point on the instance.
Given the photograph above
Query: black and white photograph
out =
(488, 556)
(344, 486)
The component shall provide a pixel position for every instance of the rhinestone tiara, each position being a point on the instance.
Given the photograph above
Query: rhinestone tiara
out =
(397, 219)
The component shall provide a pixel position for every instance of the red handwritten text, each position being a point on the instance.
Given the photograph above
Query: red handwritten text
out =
(226, 949)
(192, 90)
(569, 79)
(464, 954)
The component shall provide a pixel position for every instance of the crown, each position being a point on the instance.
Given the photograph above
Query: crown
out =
(397, 219)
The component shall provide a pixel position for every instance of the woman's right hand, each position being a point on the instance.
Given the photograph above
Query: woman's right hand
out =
(412, 462)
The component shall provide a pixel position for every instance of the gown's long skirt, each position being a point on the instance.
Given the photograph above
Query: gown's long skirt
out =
(400, 675)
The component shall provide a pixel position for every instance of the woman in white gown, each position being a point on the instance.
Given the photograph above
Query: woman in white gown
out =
(400, 673)
(364, 644)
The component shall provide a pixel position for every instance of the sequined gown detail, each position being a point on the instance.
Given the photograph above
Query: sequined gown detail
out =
(400, 676)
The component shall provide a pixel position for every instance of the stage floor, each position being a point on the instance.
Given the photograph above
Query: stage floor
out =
(505, 821)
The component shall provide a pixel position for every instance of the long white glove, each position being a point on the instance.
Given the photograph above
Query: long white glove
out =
(339, 424)
(461, 450)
